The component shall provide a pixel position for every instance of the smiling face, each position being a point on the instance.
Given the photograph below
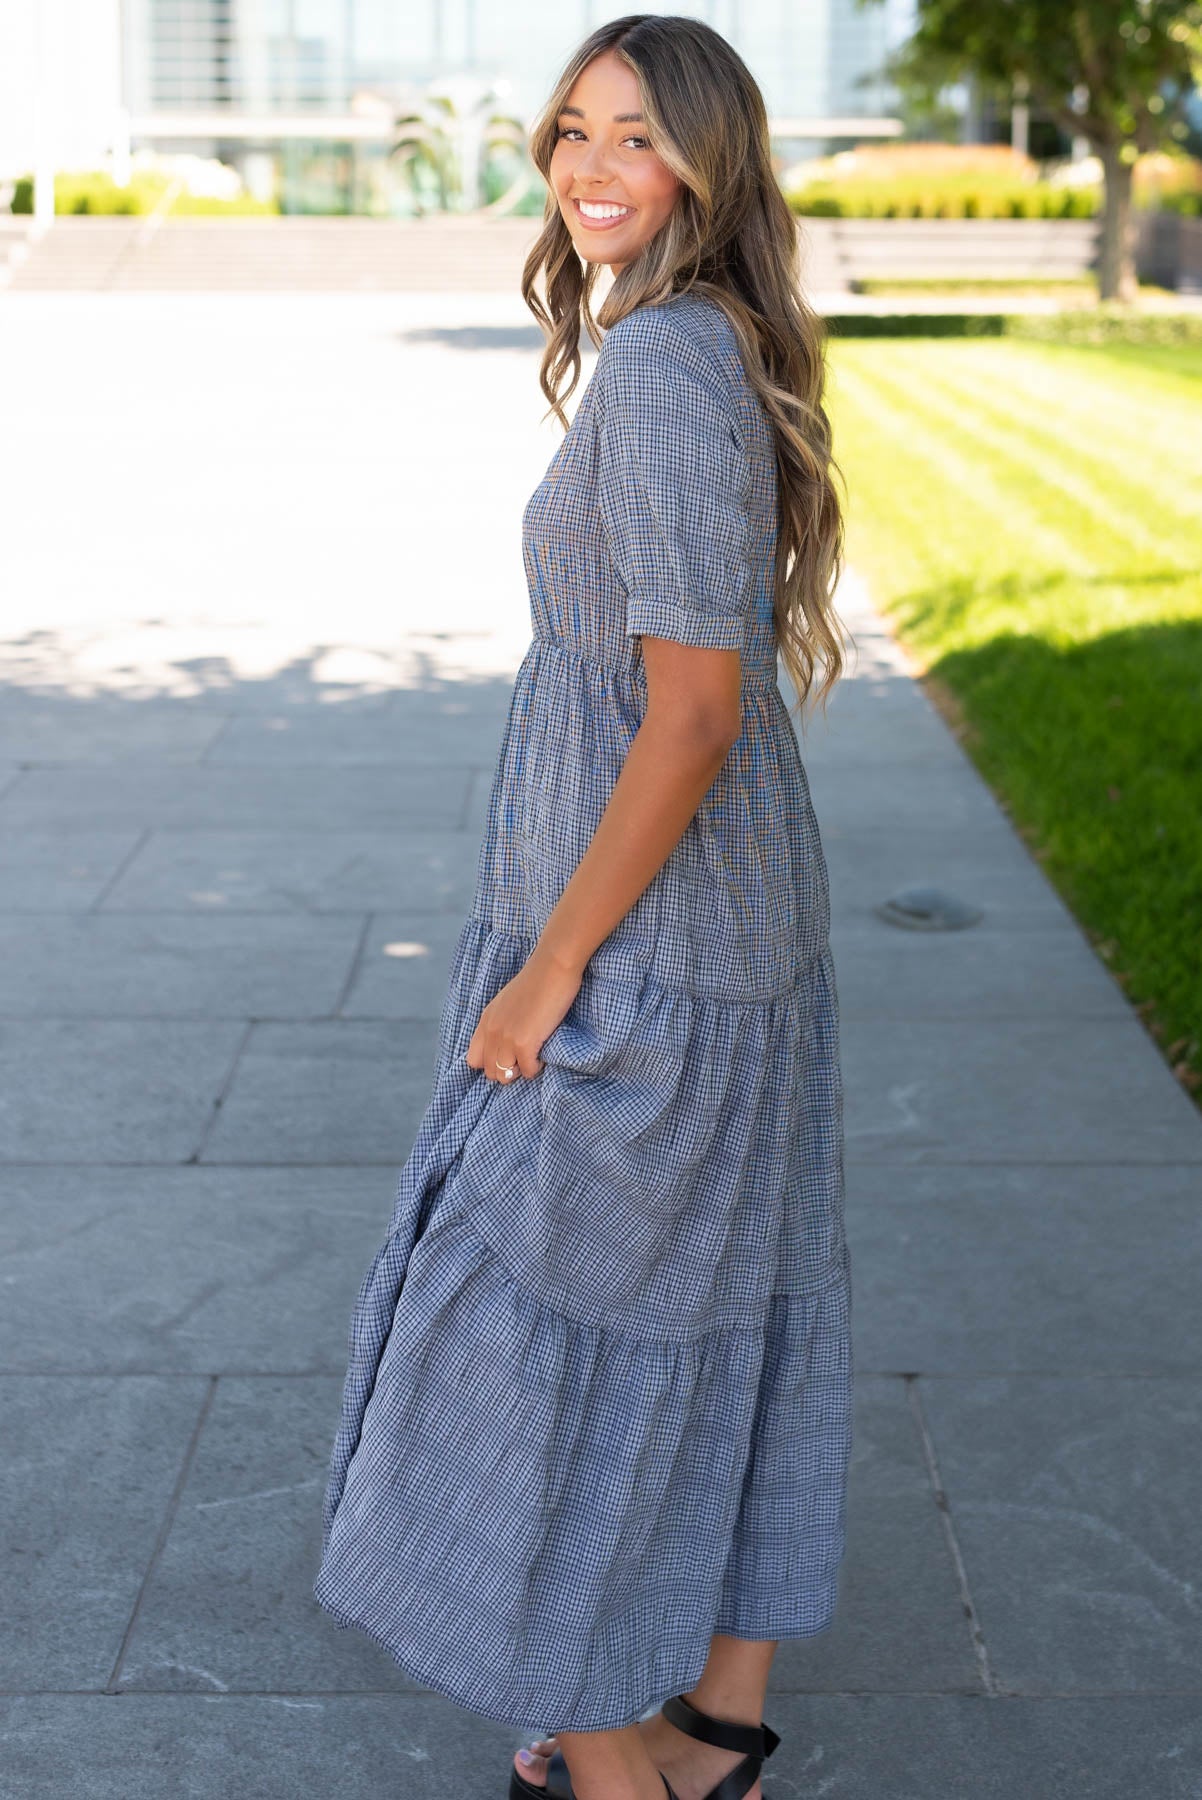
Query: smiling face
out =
(612, 189)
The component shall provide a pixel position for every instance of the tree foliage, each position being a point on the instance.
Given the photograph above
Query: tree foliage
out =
(1117, 72)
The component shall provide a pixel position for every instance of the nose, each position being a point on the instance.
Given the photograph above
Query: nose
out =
(593, 165)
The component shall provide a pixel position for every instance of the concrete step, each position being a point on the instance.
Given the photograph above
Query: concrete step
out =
(487, 255)
(280, 255)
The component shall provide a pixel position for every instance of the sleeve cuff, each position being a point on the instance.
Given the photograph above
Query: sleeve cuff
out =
(659, 617)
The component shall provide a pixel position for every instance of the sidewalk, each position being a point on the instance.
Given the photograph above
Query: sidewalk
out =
(265, 600)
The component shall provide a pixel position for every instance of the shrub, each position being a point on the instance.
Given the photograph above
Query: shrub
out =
(943, 181)
(1106, 324)
(95, 193)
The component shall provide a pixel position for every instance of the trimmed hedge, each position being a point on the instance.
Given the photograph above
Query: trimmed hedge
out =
(859, 200)
(1001, 285)
(1086, 325)
(95, 193)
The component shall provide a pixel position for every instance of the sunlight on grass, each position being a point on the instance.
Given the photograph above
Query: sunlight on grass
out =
(1030, 517)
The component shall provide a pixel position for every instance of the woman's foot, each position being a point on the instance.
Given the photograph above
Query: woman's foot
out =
(692, 1767)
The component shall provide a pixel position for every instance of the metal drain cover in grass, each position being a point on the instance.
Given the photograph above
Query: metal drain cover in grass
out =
(928, 909)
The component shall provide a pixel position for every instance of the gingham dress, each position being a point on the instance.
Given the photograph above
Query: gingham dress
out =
(598, 1404)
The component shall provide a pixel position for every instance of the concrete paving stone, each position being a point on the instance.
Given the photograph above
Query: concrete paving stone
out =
(899, 1624)
(183, 796)
(971, 1269)
(362, 1747)
(875, 720)
(87, 1474)
(110, 1090)
(59, 871)
(404, 970)
(1075, 1503)
(881, 673)
(989, 869)
(350, 1091)
(187, 1746)
(230, 1598)
(425, 871)
(461, 724)
(181, 965)
(229, 1604)
(50, 728)
(1071, 1485)
(1013, 1090)
(475, 812)
(982, 972)
(207, 1269)
(949, 793)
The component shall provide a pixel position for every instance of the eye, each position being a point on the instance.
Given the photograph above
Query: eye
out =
(563, 131)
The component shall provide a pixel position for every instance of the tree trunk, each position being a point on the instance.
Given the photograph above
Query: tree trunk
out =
(1116, 252)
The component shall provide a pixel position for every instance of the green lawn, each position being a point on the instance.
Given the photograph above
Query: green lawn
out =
(1030, 518)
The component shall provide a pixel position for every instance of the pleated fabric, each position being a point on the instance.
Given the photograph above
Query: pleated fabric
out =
(598, 1402)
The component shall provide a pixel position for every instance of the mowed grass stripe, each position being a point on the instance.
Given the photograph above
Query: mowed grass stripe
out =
(1053, 589)
(1103, 470)
(1050, 535)
(1154, 408)
(973, 498)
(1041, 500)
(1127, 513)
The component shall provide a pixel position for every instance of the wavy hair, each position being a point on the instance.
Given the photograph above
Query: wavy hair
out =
(732, 236)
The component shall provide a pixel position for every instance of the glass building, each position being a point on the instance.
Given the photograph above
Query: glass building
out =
(299, 95)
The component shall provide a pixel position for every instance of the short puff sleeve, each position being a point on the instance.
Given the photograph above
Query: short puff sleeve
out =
(673, 484)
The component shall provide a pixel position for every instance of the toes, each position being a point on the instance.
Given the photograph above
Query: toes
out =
(535, 1770)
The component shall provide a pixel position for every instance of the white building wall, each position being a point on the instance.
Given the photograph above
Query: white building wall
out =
(59, 58)
(805, 54)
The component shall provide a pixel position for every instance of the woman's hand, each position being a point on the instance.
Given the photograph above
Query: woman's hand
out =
(521, 1016)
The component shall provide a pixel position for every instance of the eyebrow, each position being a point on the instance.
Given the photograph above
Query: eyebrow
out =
(619, 118)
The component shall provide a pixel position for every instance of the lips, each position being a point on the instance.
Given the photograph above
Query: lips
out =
(606, 223)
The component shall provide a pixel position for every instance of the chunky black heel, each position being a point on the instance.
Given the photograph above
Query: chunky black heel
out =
(757, 1742)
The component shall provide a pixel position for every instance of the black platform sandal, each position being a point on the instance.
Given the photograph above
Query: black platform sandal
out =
(757, 1742)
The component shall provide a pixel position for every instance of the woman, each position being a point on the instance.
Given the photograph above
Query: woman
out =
(597, 1417)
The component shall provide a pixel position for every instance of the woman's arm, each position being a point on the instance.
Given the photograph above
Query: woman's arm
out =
(693, 717)
(673, 488)
(672, 492)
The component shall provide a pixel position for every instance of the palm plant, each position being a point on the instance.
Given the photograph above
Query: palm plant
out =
(445, 145)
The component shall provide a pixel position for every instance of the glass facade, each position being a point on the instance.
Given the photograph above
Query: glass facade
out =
(331, 59)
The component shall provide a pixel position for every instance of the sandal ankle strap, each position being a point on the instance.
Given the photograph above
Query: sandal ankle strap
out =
(752, 1740)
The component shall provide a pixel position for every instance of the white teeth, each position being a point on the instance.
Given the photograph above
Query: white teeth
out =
(591, 210)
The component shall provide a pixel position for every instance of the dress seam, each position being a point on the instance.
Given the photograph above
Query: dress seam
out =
(648, 972)
(840, 1272)
(760, 677)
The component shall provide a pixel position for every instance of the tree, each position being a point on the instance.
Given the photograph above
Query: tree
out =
(447, 141)
(1116, 72)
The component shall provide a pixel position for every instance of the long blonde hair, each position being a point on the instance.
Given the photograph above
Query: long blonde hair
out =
(731, 236)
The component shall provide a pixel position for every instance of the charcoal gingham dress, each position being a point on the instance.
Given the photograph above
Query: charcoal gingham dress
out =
(598, 1404)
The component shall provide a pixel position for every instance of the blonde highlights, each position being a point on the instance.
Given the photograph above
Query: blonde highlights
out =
(731, 236)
